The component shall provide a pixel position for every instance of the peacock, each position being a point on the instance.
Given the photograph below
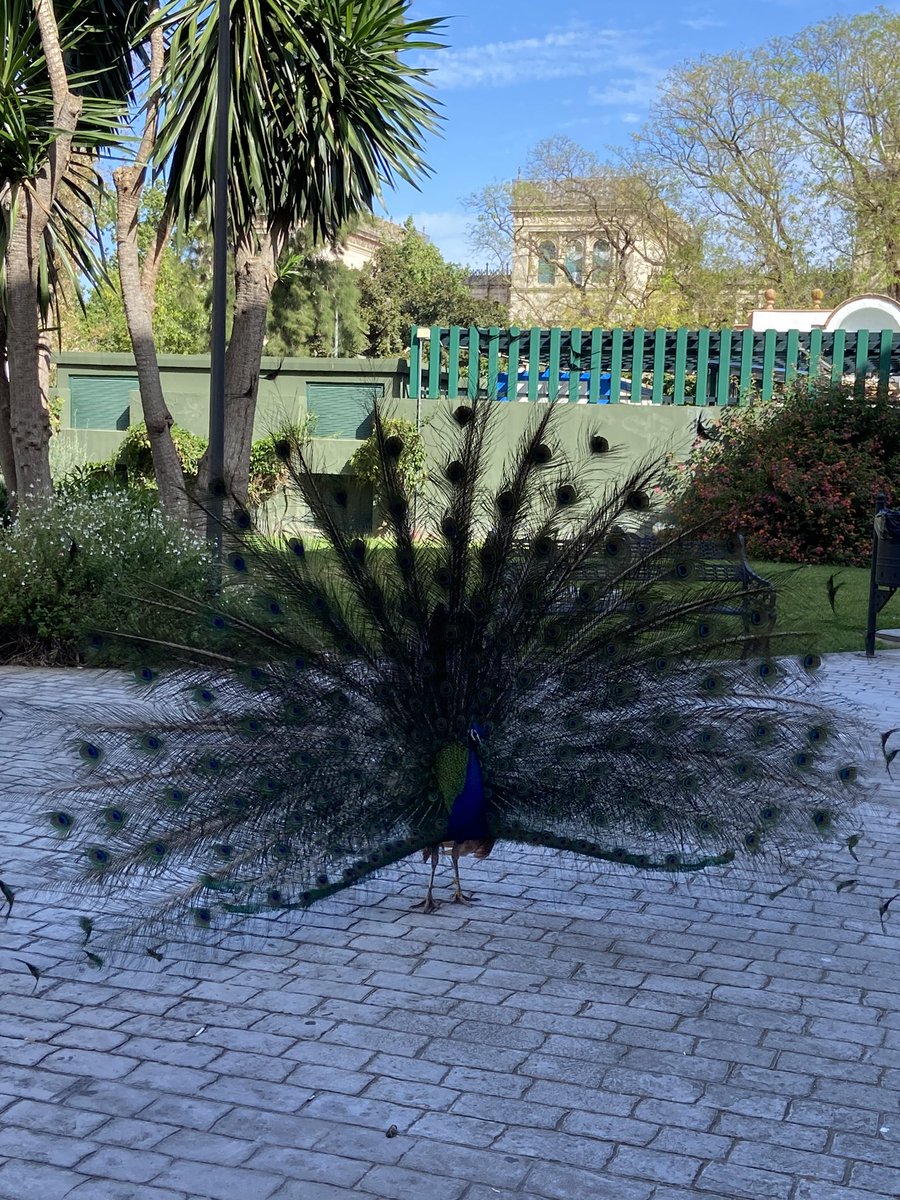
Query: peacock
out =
(508, 661)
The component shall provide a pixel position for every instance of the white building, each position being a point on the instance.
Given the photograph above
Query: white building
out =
(578, 251)
(357, 249)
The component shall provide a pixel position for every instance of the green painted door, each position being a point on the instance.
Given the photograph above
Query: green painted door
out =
(342, 410)
(101, 401)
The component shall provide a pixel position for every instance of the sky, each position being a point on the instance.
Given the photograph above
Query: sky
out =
(517, 71)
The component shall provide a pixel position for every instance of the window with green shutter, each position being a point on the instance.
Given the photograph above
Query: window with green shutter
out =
(342, 410)
(101, 401)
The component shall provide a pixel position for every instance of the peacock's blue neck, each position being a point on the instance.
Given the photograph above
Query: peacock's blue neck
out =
(468, 815)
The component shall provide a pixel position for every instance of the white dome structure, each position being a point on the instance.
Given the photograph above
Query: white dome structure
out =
(871, 312)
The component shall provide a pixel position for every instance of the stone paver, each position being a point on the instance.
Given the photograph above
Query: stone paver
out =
(580, 1033)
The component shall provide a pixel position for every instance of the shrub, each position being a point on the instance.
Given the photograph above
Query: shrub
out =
(412, 464)
(267, 472)
(135, 454)
(84, 563)
(90, 479)
(798, 476)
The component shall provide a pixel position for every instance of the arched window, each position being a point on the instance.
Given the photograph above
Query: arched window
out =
(547, 263)
(602, 256)
(575, 262)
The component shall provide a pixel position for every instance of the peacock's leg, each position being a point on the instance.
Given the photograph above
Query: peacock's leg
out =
(459, 896)
(429, 904)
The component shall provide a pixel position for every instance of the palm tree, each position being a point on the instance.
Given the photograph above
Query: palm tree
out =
(138, 277)
(326, 108)
(63, 89)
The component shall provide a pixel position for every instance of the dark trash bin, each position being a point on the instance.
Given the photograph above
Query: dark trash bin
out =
(887, 544)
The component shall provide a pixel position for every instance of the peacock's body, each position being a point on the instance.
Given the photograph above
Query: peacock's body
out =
(521, 672)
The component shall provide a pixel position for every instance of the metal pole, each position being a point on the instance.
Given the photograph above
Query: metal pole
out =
(220, 282)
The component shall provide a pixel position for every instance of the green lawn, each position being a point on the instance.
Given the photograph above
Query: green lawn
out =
(803, 606)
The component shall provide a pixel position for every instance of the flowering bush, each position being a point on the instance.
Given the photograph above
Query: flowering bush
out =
(86, 562)
(798, 476)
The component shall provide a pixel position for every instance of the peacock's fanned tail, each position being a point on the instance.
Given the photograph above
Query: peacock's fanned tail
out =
(334, 690)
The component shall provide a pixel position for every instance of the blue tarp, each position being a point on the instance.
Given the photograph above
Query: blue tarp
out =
(583, 378)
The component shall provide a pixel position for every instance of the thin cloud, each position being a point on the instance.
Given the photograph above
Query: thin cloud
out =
(558, 54)
(634, 86)
(698, 23)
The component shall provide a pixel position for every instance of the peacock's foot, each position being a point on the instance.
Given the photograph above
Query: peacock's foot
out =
(461, 897)
(428, 905)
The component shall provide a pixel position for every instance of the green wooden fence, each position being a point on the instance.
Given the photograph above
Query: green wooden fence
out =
(649, 366)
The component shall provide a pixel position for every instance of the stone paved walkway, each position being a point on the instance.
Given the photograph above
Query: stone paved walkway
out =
(579, 1035)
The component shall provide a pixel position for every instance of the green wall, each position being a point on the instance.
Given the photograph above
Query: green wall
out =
(634, 432)
(185, 382)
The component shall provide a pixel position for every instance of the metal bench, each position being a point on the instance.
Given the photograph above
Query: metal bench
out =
(656, 559)
(884, 579)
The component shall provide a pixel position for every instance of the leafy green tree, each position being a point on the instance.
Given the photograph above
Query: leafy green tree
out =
(409, 283)
(789, 155)
(838, 86)
(183, 288)
(181, 323)
(314, 299)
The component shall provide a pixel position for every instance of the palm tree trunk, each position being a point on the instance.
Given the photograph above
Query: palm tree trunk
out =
(173, 498)
(256, 258)
(29, 214)
(139, 298)
(29, 418)
(7, 458)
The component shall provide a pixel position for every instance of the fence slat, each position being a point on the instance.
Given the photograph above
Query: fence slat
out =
(453, 363)
(534, 363)
(768, 365)
(760, 360)
(615, 369)
(838, 349)
(553, 365)
(862, 362)
(596, 347)
(723, 388)
(791, 355)
(746, 377)
(659, 365)
(474, 367)
(680, 364)
(815, 355)
(493, 367)
(434, 363)
(701, 387)
(885, 350)
(637, 367)
(415, 364)
(512, 370)
(574, 365)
